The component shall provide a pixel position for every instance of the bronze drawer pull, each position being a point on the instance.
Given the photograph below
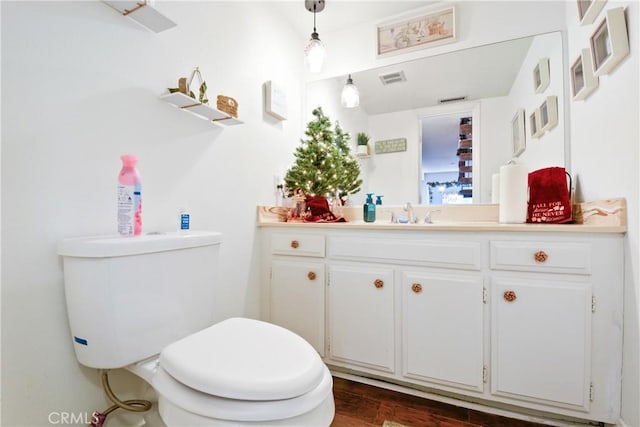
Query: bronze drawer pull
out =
(509, 296)
(378, 283)
(311, 275)
(416, 287)
(295, 244)
(540, 256)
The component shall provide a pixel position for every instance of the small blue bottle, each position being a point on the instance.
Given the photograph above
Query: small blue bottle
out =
(379, 199)
(369, 209)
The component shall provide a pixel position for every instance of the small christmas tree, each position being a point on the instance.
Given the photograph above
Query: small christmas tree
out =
(324, 164)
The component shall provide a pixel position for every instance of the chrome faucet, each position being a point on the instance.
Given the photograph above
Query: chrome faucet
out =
(427, 218)
(409, 209)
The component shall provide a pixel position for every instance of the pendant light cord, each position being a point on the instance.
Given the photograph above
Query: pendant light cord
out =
(314, 17)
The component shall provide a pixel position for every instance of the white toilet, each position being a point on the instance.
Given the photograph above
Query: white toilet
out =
(145, 303)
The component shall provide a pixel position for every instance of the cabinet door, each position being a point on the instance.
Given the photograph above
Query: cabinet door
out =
(443, 329)
(297, 299)
(541, 340)
(361, 316)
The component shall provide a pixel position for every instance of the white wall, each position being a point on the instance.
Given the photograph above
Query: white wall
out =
(604, 158)
(81, 85)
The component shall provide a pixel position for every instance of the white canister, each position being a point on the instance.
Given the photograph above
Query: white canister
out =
(514, 179)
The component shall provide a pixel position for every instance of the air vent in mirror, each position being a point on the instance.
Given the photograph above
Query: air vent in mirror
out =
(395, 77)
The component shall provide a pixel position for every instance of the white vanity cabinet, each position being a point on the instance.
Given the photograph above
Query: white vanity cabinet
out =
(443, 328)
(523, 318)
(296, 290)
(361, 316)
(556, 315)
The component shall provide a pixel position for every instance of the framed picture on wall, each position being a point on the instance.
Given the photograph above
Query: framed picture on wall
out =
(549, 113)
(588, 10)
(609, 42)
(517, 133)
(535, 128)
(416, 32)
(541, 75)
(583, 81)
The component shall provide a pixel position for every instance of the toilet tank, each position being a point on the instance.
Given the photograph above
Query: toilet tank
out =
(129, 297)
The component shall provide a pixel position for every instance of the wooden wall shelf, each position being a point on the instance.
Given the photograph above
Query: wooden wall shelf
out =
(143, 14)
(186, 103)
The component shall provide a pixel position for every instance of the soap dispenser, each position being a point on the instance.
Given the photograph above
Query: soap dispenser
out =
(369, 209)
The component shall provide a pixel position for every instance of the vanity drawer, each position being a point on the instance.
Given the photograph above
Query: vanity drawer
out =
(465, 255)
(297, 244)
(552, 257)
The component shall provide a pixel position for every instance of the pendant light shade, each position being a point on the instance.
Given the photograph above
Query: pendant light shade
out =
(314, 52)
(350, 95)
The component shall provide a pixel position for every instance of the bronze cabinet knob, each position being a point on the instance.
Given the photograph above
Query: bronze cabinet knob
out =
(416, 287)
(311, 275)
(540, 256)
(295, 244)
(378, 283)
(509, 296)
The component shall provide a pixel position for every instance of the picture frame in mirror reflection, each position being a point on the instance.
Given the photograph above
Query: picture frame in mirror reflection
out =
(535, 128)
(517, 133)
(541, 76)
(416, 32)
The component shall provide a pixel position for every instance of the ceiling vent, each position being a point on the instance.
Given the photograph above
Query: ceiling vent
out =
(459, 98)
(395, 77)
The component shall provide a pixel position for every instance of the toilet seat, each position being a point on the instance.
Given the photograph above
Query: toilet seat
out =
(245, 370)
(210, 406)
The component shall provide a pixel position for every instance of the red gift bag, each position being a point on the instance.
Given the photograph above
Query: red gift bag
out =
(549, 197)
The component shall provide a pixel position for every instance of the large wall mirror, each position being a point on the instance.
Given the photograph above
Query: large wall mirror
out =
(429, 99)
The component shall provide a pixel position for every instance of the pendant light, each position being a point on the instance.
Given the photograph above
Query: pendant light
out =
(350, 94)
(314, 52)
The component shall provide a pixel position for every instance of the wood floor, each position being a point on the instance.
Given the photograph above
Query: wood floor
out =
(361, 405)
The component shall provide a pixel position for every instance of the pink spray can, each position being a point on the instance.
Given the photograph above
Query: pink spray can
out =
(129, 197)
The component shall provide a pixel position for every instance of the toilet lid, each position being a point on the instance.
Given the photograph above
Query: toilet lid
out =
(244, 359)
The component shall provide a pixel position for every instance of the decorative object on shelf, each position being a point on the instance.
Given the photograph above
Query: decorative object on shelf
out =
(314, 52)
(362, 140)
(275, 100)
(143, 14)
(391, 145)
(583, 81)
(417, 32)
(541, 75)
(609, 42)
(350, 97)
(549, 113)
(184, 86)
(535, 128)
(227, 104)
(517, 133)
(183, 98)
(324, 163)
(588, 10)
(549, 196)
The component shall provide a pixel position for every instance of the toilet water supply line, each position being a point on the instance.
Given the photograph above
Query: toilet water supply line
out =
(133, 405)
